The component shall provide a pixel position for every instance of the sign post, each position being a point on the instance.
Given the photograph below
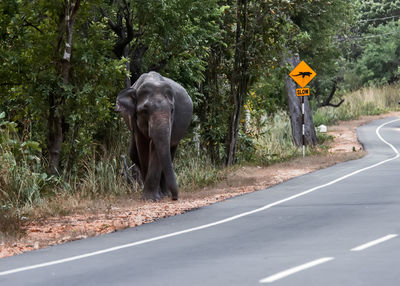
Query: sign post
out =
(302, 74)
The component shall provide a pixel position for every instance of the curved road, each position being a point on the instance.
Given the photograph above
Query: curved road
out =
(337, 226)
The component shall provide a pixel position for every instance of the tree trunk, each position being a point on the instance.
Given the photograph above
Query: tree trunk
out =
(55, 120)
(128, 82)
(239, 80)
(295, 110)
(209, 106)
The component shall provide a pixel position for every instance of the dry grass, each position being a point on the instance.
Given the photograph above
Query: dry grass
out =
(366, 101)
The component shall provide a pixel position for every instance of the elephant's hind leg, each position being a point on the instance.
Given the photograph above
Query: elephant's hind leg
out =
(133, 154)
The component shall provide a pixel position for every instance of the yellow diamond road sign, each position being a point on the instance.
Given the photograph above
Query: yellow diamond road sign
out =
(302, 74)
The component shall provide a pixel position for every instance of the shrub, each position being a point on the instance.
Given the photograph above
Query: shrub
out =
(22, 179)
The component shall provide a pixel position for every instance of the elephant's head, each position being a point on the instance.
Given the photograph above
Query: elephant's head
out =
(151, 105)
(155, 110)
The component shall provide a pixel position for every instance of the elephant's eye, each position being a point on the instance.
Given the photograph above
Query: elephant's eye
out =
(168, 94)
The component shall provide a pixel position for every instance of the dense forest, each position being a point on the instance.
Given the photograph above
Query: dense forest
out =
(63, 62)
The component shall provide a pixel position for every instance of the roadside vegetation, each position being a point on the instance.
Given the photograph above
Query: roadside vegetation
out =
(365, 101)
(61, 141)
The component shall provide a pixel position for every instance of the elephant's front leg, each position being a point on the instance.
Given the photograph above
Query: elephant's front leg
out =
(164, 190)
(152, 183)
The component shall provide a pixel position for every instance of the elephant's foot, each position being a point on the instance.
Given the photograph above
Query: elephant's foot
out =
(174, 193)
(152, 195)
(164, 192)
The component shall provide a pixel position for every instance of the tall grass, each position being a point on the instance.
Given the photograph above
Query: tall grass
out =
(194, 169)
(273, 140)
(366, 101)
(102, 176)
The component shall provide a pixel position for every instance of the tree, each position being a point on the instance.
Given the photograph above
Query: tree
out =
(251, 40)
(55, 88)
(295, 111)
(320, 46)
(168, 36)
(317, 25)
(239, 78)
(63, 56)
(373, 13)
(376, 47)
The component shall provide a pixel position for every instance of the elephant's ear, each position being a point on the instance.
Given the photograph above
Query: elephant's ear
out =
(126, 101)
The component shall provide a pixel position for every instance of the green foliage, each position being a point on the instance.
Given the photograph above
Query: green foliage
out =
(22, 179)
(322, 23)
(373, 57)
(31, 75)
(244, 59)
(373, 13)
(378, 63)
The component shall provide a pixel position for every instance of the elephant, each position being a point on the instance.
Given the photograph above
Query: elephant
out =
(157, 111)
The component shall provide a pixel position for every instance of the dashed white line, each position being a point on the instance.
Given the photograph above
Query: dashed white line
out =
(296, 269)
(229, 219)
(374, 242)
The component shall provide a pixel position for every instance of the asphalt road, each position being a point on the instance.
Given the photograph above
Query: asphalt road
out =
(337, 226)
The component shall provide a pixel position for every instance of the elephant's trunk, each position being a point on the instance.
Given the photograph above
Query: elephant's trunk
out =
(160, 134)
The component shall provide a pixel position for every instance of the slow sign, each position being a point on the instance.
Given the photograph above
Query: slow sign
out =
(302, 91)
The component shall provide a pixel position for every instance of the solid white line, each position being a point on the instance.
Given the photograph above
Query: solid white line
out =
(374, 242)
(229, 219)
(294, 270)
(383, 140)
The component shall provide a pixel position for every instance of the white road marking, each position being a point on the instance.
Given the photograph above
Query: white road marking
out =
(294, 270)
(383, 140)
(229, 219)
(374, 242)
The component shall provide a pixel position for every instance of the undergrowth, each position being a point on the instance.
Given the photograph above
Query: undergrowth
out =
(194, 169)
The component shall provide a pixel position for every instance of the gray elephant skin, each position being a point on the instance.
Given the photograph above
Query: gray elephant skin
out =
(157, 111)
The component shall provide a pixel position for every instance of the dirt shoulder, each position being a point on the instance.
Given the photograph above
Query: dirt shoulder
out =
(123, 213)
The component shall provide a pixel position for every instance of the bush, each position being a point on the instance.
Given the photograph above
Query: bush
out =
(22, 179)
(272, 138)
